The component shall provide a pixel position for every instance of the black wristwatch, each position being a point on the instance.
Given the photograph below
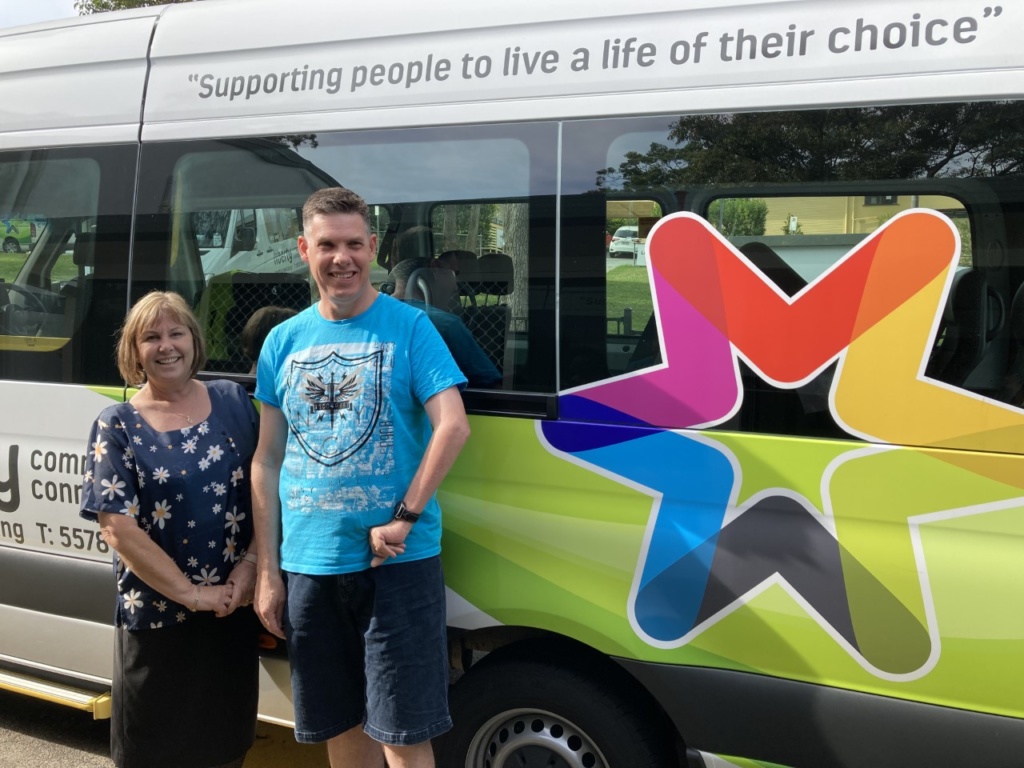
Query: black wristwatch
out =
(402, 512)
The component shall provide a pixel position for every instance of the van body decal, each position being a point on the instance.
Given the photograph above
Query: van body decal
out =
(721, 529)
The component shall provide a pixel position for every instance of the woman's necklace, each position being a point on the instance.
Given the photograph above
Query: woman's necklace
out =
(190, 408)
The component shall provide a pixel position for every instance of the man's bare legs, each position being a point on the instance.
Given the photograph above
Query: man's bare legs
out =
(416, 756)
(354, 749)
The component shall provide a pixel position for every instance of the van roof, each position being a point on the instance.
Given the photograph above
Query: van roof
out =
(225, 68)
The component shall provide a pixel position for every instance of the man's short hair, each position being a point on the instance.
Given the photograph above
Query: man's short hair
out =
(330, 200)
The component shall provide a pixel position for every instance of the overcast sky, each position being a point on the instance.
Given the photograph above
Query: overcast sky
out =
(16, 12)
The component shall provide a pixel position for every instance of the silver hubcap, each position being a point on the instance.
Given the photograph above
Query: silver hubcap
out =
(526, 738)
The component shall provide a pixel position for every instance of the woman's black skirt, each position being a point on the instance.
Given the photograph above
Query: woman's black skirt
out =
(185, 696)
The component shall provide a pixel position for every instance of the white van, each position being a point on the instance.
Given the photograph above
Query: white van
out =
(755, 500)
(249, 240)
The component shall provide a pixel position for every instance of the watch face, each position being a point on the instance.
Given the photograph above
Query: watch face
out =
(402, 513)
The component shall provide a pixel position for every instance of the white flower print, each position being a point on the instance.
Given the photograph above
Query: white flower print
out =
(192, 562)
(212, 544)
(131, 508)
(233, 518)
(102, 423)
(216, 509)
(237, 476)
(189, 446)
(191, 523)
(112, 487)
(87, 477)
(136, 439)
(99, 449)
(161, 605)
(204, 464)
(206, 578)
(152, 449)
(162, 513)
(214, 453)
(219, 489)
(132, 601)
(229, 551)
(204, 428)
(155, 624)
(179, 616)
(160, 475)
(180, 497)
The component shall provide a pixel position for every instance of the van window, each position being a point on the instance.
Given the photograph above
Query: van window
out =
(790, 223)
(248, 196)
(62, 296)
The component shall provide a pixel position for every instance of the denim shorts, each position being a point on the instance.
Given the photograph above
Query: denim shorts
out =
(369, 648)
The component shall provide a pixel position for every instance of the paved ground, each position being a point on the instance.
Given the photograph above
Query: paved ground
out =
(38, 734)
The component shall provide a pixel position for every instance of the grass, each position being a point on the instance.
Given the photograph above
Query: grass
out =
(628, 287)
(11, 264)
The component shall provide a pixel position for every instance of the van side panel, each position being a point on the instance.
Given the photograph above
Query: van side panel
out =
(535, 61)
(67, 85)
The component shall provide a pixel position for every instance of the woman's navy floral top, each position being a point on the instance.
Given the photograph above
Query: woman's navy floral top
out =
(187, 488)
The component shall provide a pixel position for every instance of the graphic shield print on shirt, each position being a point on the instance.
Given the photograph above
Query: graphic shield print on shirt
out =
(338, 402)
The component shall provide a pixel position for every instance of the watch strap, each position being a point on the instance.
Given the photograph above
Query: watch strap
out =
(402, 512)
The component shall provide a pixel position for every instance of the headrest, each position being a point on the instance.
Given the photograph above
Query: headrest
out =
(466, 262)
(85, 245)
(436, 287)
(108, 256)
(496, 273)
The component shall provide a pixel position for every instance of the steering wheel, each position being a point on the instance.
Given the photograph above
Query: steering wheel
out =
(18, 320)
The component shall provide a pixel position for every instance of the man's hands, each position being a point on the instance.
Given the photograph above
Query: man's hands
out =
(388, 540)
(270, 599)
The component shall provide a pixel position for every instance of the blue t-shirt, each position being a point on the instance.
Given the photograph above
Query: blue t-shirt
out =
(352, 392)
(188, 489)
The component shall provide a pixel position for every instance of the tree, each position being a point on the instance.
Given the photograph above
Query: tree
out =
(900, 142)
(89, 7)
(737, 216)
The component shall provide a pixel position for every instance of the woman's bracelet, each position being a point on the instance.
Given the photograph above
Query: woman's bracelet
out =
(195, 601)
(250, 557)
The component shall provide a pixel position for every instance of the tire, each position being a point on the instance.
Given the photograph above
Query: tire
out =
(533, 714)
(12, 246)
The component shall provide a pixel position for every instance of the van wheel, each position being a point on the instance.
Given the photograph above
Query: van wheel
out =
(12, 246)
(530, 714)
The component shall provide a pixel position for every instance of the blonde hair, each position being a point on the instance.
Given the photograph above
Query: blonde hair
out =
(144, 315)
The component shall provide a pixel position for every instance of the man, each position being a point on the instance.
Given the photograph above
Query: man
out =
(361, 420)
(471, 359)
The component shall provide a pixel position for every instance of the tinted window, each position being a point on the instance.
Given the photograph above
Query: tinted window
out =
(64, 282)
(792, 194)
(486, 191)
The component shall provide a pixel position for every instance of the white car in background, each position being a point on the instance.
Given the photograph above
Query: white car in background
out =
(625, 242)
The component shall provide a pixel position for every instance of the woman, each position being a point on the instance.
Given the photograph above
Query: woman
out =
(167, 477)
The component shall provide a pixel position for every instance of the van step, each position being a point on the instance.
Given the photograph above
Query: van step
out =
(78, 698)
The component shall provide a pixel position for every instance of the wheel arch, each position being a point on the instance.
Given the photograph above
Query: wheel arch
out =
(511, 645)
